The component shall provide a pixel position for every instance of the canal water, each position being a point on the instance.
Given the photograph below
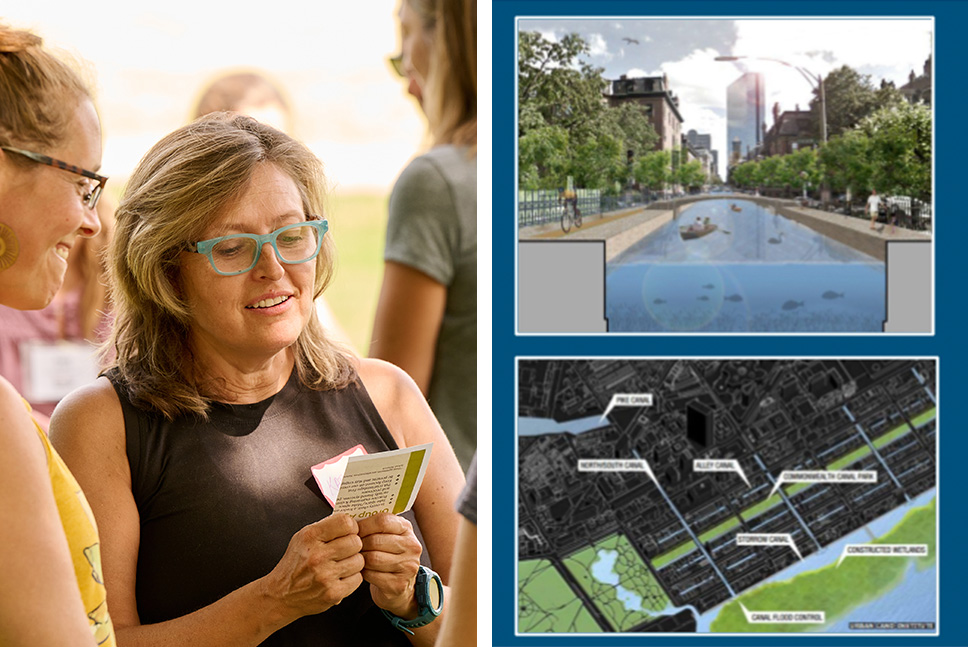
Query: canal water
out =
(758, 272)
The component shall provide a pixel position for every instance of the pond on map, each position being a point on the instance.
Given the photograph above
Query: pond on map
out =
(757, 272)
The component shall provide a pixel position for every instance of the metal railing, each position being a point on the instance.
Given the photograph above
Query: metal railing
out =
(902, 210)
(536, 207)
(543, 206)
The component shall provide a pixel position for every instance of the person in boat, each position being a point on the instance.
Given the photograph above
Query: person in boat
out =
(698, 225)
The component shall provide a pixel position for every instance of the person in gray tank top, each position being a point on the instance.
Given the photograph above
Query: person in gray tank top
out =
(195, 448)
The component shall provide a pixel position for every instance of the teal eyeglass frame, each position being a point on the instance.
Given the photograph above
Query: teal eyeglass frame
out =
(204, 247)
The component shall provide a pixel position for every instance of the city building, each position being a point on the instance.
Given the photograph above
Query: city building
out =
(697, 153)
(735, 152)
(745, 111)
(700, 422)
(918, 88)
(697, 140)
(702, 141)
(658, 102)
(791, 130)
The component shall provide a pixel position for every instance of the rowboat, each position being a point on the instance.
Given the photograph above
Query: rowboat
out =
(688, 233)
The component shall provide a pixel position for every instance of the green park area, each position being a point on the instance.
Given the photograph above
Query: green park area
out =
(791, 490)
(358, 226)
(546, 604)
(835, 589)
(924, 417)
(667, 558)
(632, 597)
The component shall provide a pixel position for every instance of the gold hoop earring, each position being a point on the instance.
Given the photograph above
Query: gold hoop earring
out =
(9, 247)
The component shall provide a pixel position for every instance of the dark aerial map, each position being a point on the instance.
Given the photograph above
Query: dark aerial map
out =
(732, 495)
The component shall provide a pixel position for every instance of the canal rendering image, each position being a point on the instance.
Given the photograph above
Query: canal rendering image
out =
(731, 265)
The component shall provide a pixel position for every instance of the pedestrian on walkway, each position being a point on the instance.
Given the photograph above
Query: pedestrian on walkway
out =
(873, 205)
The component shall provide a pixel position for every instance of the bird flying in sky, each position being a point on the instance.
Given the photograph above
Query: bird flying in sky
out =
(630, 41)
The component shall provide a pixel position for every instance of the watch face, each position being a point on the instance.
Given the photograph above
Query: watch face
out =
(434, 592)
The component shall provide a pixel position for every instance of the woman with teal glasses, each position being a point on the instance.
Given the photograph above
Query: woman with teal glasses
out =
(196, 446)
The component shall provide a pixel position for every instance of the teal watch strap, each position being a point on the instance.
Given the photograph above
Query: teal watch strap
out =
(429, 591)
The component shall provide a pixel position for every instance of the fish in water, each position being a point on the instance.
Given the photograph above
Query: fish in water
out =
(792, 305)
(775, 241)
(703, 298)
(659, 301)
(708, 286)
(830, 294)
(735, 298)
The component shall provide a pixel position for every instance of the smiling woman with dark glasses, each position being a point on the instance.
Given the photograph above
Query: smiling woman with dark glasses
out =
(197, 445)
(90, 192)
(47, 537)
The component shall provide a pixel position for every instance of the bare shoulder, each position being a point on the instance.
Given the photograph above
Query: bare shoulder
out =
(386, 382)
(95, 401)
(91, 416)
(380, 372)
(398, 399)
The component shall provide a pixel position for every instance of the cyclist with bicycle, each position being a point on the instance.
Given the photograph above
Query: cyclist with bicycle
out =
(570, 213)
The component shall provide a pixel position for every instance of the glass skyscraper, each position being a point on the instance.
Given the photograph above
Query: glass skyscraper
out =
(745, 113)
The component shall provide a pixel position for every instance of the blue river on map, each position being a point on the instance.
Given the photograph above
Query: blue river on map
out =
(758, 272)
(541, 426)
(913, 600)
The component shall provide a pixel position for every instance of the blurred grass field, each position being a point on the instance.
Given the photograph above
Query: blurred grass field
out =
(358, 226)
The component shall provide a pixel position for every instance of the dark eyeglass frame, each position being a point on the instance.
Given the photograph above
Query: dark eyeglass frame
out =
(204, 247)
(396, 64)
(89, 200)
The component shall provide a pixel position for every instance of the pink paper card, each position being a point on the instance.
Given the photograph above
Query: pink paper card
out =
(329, 473)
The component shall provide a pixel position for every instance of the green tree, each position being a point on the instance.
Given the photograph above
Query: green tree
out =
(543, 162)
(744, 176)
(628, 124)
(850, 96)
(560, 105)
(598, 162)
(691, 174)
(801, 166)
(653, 169)
(768, 172)
(845, 163)
(554, 81)
(900, 149)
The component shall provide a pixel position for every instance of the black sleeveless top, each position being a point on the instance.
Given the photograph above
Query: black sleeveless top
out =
(220, 500)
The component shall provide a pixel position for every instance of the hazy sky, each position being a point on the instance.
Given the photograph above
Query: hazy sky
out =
(685, 49)
(151, 60)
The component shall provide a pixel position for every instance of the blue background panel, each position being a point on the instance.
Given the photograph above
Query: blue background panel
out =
(951, 233)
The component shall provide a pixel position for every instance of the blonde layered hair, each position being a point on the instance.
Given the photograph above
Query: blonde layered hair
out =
(177, 191)
(451, 97)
